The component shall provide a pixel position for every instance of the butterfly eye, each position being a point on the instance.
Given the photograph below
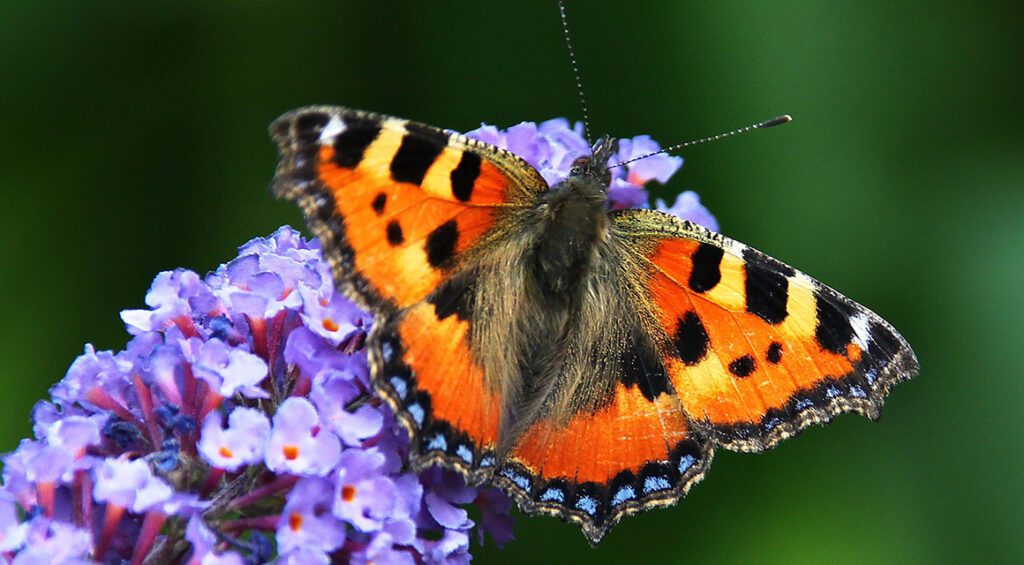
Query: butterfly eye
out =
(579, 165)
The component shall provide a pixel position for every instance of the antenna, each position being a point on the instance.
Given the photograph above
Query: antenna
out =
(776, 121)
(575, 71)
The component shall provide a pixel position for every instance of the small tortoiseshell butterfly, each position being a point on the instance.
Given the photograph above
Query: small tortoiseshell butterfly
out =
(587, 362)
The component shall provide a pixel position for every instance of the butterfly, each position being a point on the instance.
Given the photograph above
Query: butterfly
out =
(587, 362)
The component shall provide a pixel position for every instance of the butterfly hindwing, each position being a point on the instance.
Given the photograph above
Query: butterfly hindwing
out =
(757, 350)
(602, 465)
(608, 437)
(424, 367)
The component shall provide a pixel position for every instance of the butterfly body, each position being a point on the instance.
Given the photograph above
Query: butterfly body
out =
(588, 362)
(572, 222)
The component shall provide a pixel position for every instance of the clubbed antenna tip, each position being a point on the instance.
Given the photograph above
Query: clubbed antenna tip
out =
(776, 121)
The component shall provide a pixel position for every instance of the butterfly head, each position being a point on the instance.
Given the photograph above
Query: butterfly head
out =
(596, 165)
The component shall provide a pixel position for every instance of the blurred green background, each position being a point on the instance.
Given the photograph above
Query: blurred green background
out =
(134, 140)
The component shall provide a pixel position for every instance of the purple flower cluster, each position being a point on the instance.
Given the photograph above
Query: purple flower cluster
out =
(238, 424)
(552, 146)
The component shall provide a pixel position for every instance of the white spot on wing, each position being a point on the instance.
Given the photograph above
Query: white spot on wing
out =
(332, 129)
(859, 321)
(734, 247)
(394, 124)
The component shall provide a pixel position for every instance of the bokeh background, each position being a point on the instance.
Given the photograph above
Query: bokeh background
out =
(134, 140)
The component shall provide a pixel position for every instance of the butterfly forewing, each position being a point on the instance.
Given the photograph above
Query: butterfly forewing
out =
(756, 350)
(396, 204)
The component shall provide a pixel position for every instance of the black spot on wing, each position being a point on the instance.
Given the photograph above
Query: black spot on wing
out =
(464, 176)
(834, 330)
(456, 296)
(766, 286)
(350, 144)
(379, 202)
(420, 147)
(427, 133)
(691, 339)
(774, 354)
(308, 126)
(742, 366)
(706, 272)
(394, 232)
(441, 243)
(640, 367)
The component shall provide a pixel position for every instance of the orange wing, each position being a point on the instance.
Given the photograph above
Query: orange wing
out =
(756, 350)
(605, 435)
(424, 368)
(400, 209)
(397, 205)
(631, 454)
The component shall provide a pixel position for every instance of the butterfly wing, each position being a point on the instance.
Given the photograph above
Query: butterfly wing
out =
(397, 205)
(402, 209)
(756, 350)
(630, 453)
(715, 344)
(608, 436)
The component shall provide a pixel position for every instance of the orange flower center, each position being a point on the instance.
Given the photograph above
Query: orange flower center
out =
(295, 521)
(348, 493)
(291, 452)
(330, 325)
(225, 452)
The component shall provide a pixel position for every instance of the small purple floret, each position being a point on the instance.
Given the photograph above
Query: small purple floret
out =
(307, 522)
(688, 207)
(242, 443)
